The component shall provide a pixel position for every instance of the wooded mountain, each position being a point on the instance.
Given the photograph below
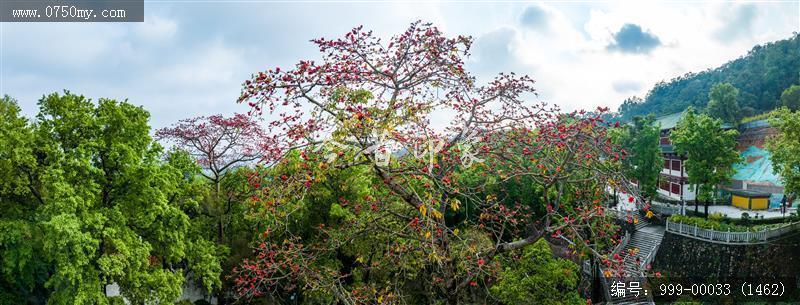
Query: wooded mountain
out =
(760, 76)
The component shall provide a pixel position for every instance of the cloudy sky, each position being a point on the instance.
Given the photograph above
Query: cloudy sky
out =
(189, 58)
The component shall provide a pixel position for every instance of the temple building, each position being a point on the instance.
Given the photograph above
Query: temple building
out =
(753, 180)
(673, 183)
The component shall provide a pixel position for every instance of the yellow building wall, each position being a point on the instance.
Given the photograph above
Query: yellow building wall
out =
(760, 203)
(741, 202)
(750, 204)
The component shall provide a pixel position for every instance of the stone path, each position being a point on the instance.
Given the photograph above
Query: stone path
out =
(641, 246)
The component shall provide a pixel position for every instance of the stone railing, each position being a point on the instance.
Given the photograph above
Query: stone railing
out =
(730, 237)
(665, 209)
(621, 214)
(617, 249)
(622, 244)
(650, 256)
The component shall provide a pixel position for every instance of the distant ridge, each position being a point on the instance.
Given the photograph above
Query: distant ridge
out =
(760, 76)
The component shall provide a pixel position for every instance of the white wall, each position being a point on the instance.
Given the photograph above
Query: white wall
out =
(191, 292)
(688, 193)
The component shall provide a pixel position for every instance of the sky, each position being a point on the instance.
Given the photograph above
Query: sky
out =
(190, 58)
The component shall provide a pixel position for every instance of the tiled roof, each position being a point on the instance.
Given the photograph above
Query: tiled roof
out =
(671, 120)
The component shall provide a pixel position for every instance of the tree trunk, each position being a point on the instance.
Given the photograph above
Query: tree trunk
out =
(706, 207)
(452, 299)
(615, 199)
(221, 294)
(597, 287)
(220, 231)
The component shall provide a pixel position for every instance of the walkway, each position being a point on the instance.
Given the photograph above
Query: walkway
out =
(736, 213)
(727, 210)
(640, 251)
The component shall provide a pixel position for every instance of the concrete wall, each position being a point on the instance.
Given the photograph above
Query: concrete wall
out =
(191, 292)
(688, 193)
(680, 256)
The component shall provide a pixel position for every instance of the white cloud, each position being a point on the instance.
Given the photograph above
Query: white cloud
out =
(189, 59)
(205, 66)
(156, 28)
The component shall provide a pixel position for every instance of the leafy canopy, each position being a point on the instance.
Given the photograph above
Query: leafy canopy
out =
(785, 149)
(723, 104)
(644, 163)
(539, 277)
(710, 151)
(88, 201)
(790, 98)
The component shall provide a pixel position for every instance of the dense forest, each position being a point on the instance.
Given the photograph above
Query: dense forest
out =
(760, 76)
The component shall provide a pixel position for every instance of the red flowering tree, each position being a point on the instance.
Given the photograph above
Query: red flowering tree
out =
(425, 222)
(221, 147)
(218, 143)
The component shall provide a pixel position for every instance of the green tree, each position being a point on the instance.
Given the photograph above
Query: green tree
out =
(785, 149)
(539, 277)
(23, 267)
(790, 98)
(641, 139)
(710, 152)
(723, 104)
(216, 151)
(87, 201)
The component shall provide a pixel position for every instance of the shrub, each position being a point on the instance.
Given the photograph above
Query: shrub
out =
(716, 216)
(539, 277)
(710, 224)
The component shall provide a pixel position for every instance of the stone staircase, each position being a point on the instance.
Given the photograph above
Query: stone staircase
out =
(640, 222)
(639, 251)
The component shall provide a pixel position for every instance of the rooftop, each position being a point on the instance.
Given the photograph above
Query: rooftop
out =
(669, 121)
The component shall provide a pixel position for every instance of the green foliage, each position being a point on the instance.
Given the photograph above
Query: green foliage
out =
(785, 149)
(710, 151)
(760, 76)
(644, 163)
(723, 104)
(716, 216)
(790, 98)
(718, 223)
(758, 117)
(88, 201)
(539, 277)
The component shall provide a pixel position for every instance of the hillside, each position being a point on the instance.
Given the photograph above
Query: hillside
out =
(760, 76)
